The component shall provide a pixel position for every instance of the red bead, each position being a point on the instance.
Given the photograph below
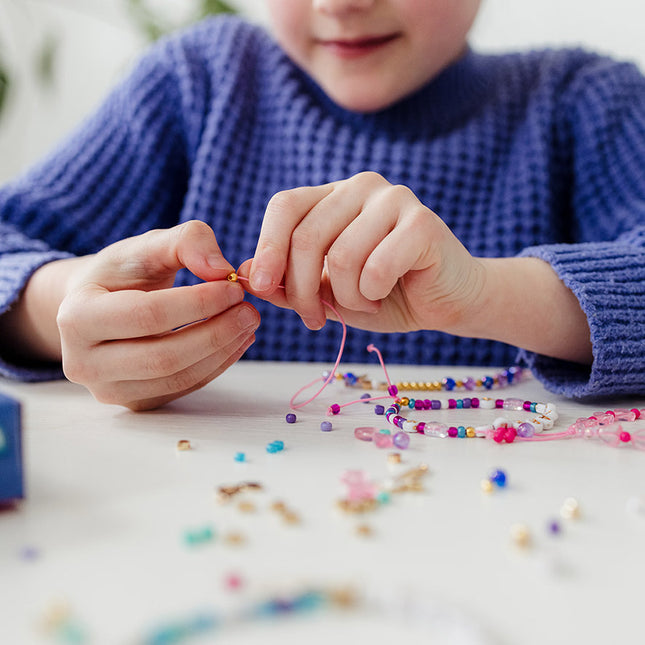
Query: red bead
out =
(625, 436)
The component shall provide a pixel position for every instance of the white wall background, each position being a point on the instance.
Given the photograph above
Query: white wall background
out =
(98, 44)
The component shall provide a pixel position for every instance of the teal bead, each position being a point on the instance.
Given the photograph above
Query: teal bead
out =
(411, 404)
(460, 403)
(461, 432)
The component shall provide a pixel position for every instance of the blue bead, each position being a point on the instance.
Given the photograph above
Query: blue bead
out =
(325, 426)
(240, 456)
(350, 378)
(488, 382)
(498, 477)
(460, 404)
(291, 417)
(449, 383)
(461, 432)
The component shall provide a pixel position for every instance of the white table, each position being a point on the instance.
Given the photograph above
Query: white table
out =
(110, 500)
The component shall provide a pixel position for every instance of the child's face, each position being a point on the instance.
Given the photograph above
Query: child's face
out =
(368, 54)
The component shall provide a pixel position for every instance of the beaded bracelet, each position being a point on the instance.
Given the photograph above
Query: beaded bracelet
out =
(501, 430)
(499, 380)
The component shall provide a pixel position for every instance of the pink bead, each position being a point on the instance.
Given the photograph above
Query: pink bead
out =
(364, 433)
(625, 437)
(637, 413)
(510, 435)
(421, 427)
(610, 434)
(334, 408)
(499, 434)
(624, 415)
(382, 440)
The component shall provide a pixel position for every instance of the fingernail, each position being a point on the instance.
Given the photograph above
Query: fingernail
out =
(312, 324)
(246, 318)
(260, 280)
(218, 262)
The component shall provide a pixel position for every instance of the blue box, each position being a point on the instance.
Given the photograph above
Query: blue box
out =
(11, 477)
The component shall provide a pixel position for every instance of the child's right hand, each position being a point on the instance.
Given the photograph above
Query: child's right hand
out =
(126, 332)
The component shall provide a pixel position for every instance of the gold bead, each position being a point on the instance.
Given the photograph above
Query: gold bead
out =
(394, 458)
(520, 535)
(403, 385)
(364, 530)
(428, 385)
(405, 400)
(478, 382)
(414, 385)
(183, 444)
(232, 276)
(470, 432)
(437, 385)
(487, 486)
(459, 383)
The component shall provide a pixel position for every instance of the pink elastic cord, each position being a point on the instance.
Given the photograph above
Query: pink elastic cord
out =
(332, 374)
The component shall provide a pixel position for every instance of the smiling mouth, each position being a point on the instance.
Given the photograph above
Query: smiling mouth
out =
(354, 47)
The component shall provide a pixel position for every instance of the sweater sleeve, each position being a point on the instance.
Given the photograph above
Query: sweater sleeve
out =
(605, 265)
(122, 172)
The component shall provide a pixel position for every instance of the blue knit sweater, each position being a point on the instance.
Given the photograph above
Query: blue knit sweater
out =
(539, 153)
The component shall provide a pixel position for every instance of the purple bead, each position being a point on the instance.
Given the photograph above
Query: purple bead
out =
(525, 430)
(466, 403)
(436, 405)
(291, 417)
(367, 395)
(401, 440)
(452, 431)
(554, 527)
(469, 383)
(379, 409)
(326, 426)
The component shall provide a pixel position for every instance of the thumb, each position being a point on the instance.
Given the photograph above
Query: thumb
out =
(158, 255)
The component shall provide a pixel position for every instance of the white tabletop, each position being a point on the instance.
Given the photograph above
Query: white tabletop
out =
(99, 543)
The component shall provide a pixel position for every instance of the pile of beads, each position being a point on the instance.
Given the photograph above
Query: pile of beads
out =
(382, 438)
(501, 430)
(499, 380)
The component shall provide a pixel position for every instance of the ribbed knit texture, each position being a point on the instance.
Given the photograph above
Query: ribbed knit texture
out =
(539, 153)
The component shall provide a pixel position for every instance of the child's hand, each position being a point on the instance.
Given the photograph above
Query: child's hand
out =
(125, 332)
(371, 249)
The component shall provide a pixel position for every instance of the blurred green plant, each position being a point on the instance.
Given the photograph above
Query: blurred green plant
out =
(145, 20)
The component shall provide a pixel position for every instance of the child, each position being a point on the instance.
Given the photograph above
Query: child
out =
(454, 207)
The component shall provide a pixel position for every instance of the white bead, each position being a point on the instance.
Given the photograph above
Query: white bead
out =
(481, 431)
(540, 408)
(538, 425)
(500, 422)
(409, 426)
(547, 422)
(487, 404)
(445, 405)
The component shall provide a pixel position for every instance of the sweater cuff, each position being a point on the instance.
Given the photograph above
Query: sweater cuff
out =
(608, 279)
(15, 271)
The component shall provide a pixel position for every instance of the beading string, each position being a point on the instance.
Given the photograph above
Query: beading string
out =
(233, 277)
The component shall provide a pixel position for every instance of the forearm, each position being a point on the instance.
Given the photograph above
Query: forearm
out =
(524, 303)
(28, 330)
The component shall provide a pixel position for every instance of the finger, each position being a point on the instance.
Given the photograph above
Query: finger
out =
(163, 356)
(147, 395)
(93, 315)
(414, 244)
(283, 213)
(133, 262)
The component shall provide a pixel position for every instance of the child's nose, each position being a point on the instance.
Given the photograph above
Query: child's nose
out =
(341, 6)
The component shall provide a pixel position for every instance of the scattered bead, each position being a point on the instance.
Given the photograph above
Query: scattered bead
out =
(246, 507)
(487, 486)
(275, 446)
(196, 537)
(365, 433)
(554, 527)
(383, 497)
(498, 477)
(382, 440)
(291, 417)
(394, 458)
(401, 440)
(326, 426)
(364, 530)
(570, 509)
(240, 457)
(520, 535)
(367, 396)
(234, 538)
(183, 444)
(379, 409)
(29, 553)
(233, 581)
(227, 493)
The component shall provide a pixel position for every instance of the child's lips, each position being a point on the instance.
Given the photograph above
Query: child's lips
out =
(356, 47)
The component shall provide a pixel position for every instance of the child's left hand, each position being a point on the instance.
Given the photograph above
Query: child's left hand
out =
(371, 249)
